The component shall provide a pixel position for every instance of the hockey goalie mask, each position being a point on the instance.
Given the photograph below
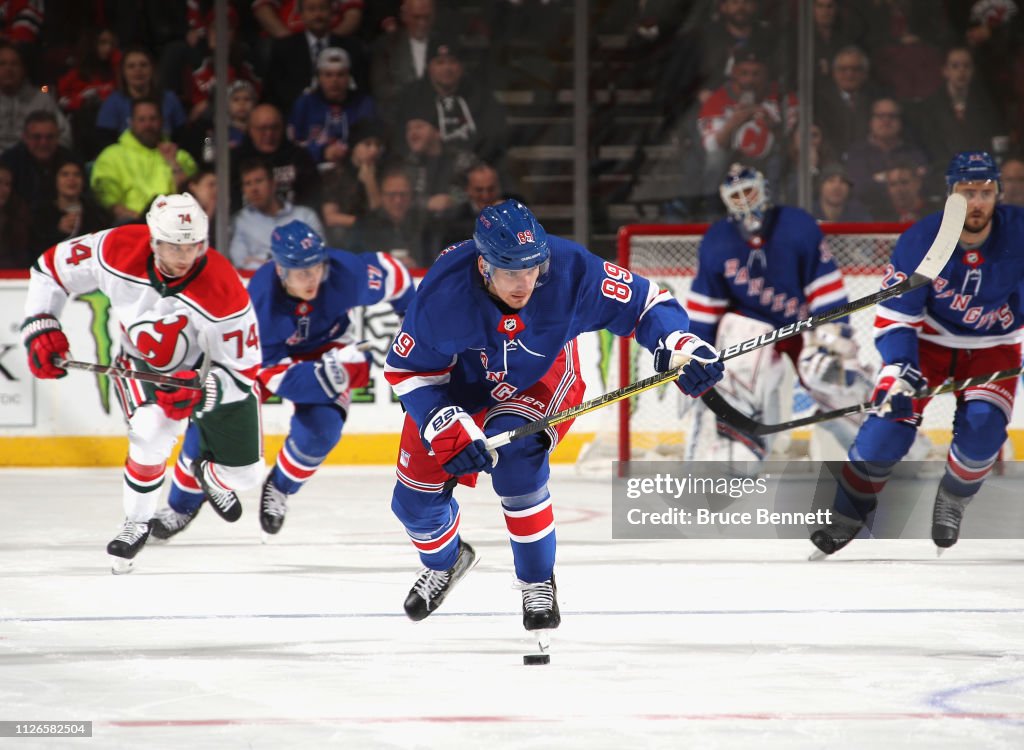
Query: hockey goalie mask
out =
(745, 194)
(301, 259)
(178, 229)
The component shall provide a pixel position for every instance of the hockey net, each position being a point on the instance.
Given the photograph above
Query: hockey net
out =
(654, 424)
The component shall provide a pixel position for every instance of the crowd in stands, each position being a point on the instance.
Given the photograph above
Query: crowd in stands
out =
(374, 122)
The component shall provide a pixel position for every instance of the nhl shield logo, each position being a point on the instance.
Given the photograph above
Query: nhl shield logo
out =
(511, 326)
(973, 258)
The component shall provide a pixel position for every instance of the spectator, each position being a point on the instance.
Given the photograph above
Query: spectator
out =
(834, 202)
(138, 81)
(906, 197)
(241, 101)
(744, 120)
(353, 190)
(820, 153)
(263, 212)
(397, 226)
(1013, 181)
(295, 174)
(907, 63)
(279, 18)
(843, 107)
(869, 160)
(72, 211)
(400, 58)
(15, 220)
(321, 118)
(434, 167)
(201, 80)
(141, 165)
(18, 98)
(34, 160)
(293, 57)
(83, 89)
(483, 189)
(737, 28)
(203, 187)
(466, 113)
(834, 29)
(960, 116)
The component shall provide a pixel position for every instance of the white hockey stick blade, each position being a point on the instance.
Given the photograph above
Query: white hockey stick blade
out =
(953, 216)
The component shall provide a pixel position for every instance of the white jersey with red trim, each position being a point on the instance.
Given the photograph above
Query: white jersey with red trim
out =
(777, 278)
(166, 324)
(974, 303)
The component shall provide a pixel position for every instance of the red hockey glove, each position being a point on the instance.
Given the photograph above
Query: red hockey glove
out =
(894, 390)
(458, 444)
(699, 360)
(179, 402)
(45, 342)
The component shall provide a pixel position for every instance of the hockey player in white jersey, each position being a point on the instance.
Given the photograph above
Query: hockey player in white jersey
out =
(762, 267)
(182, 309)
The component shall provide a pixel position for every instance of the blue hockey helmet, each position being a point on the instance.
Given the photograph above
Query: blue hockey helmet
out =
(509, 236)
(972, 166)
(296, 245)
(744, 192)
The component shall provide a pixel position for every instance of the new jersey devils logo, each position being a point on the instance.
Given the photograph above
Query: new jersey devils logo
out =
(160, 342)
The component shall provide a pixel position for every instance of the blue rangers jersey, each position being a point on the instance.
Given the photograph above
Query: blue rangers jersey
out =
(457, 346)
(296, 332)
(779, 279)
(973, 304)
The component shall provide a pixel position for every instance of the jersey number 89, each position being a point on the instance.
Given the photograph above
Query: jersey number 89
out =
(616, 286)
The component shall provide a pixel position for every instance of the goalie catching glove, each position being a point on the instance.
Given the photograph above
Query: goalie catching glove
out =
(699, 360)
(46, 342)
(894, 390)
(459, 445)
(180, 402)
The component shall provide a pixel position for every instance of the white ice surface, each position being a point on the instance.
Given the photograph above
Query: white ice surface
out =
(217, 640)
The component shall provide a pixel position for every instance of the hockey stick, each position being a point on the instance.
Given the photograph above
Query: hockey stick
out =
(741, 421)
(930, 266)
(120, 372)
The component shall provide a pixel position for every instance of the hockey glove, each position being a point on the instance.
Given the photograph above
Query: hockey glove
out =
(179, 402)
(342, 369)
(458, 444)
(894, 390)
(699, 360)
(45, 342)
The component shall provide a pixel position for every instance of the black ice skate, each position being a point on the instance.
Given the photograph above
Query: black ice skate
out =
(947, 514)
(433, 586)
(126, 545)
(167, 522)
(540, 605)
(836, 535)
(273, 506)
(224, 501)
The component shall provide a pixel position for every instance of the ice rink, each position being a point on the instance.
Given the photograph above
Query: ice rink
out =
(217, 640)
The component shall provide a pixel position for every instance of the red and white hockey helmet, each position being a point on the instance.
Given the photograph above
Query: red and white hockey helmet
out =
(178, 219)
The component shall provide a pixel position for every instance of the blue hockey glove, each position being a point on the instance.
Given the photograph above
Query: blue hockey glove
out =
(701, 366)
(894, 389)
(458, 444)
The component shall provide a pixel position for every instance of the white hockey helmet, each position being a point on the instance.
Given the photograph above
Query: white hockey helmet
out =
(178, 219)
(745, 194)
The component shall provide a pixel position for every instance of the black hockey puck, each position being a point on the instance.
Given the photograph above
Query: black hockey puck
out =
(537, 659)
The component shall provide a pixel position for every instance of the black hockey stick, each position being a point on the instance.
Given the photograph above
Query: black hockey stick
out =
(930, 266)
(120, 372)
(741, 421)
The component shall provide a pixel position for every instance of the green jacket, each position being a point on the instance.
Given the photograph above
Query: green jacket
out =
(130, 174)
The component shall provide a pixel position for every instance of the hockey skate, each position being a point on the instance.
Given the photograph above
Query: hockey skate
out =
(540, 615)
(431, 588)
(836, 535)
(947, 515)
(273, 506)
(126, 545)
(167, 522)
(224, 501)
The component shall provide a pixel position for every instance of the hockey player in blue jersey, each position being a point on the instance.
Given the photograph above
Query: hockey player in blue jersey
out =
(487, 345)
(966, 323)
(302, 300)
(760, 268)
